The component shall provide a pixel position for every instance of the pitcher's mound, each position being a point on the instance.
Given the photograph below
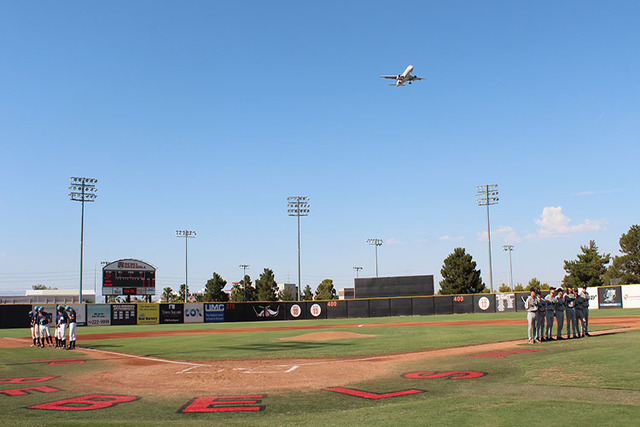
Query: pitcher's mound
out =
(326, 336)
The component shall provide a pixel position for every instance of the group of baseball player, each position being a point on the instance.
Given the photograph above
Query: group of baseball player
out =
(558, 305)
(40, 329)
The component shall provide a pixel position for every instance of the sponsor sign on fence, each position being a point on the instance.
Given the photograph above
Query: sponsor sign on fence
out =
(214, 312)
(631, 296)
(505, 303)
(194, 313)
(171, 313)
(610, 297)
(98, 315)
(148, 314)
(123, 314)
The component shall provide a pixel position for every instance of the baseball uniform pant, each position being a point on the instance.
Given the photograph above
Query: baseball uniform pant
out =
(549, 327)
(531, 321)
(560, 322)
(571, 322)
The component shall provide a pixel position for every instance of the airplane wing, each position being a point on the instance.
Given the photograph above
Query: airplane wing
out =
(418, 78)
(390, 77)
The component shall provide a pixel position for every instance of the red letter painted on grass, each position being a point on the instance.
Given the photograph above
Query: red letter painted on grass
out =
(85, 403)
(23, 391)
(373, 396)
(25, 380)
(224, 404)
(452, 375)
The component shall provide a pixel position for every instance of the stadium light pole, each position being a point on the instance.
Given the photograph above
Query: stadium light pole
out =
(357, 269)
(509, 248)
(82, 190)
(298, 206)
(244, 274)
(487, 195)
(187, 234)
(376, 243)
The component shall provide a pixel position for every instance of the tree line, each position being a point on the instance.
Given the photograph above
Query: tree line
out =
(265, 288)
(460, 275)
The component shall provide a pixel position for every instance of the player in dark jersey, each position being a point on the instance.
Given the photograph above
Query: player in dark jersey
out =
(71, 314)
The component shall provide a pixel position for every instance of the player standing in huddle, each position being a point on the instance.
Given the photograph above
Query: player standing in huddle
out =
(540, 316)
(71, 314)
(531, 307)
(61, 327)
(550, 314)
(32, 322)
(585, 311)
(580, 314)
(570, 310)
(559, 306)
(45, 332)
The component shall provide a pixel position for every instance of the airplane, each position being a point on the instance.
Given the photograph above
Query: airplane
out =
(403, 78)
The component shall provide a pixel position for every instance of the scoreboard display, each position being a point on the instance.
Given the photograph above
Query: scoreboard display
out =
(128, 277)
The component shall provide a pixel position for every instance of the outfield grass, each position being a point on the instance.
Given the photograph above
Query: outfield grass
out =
(593, 381)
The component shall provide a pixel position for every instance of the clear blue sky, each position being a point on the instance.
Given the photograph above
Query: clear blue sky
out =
(206, 115)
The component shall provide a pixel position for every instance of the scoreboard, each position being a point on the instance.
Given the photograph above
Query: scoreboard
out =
(128, 277)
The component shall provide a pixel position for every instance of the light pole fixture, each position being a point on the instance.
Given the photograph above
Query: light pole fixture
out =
(376, 243)
(244, 275)
(509, 248)
(487, 195)
(298, 206)
(82, 190)
(357, 269)
(187, 234)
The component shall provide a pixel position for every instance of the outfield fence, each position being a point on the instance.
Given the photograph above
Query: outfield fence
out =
(16, 315)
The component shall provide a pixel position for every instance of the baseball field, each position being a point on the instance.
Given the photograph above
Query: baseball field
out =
(434, 370)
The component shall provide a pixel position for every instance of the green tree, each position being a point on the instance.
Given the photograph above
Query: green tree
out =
(325, 290)
(40, 287)
(167, 294)
(266, 286)
(459, 274)
(518, 287)
(181, 293)
(213, 290)
(307, 294)
(534, 284)
(287, 294)
(237, 293)
(504, 288)
(248, 291)
(626, 267)
(588, 269)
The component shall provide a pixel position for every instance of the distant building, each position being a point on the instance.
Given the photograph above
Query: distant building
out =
(50, 296)
(346, 293)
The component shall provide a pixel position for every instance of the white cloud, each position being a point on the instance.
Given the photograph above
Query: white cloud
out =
(553, 223)
(447, 237)
(393, 241)
(506, 234)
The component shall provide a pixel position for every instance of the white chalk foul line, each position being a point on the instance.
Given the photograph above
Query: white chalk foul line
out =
(152, 359)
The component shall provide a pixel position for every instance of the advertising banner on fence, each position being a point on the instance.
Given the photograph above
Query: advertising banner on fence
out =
(194, 313)
(505, 303)
(98, 315)
(123, 314)
(610, 297)
(171, 313)
(631, 296)
(214, 312)
(148, 314)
